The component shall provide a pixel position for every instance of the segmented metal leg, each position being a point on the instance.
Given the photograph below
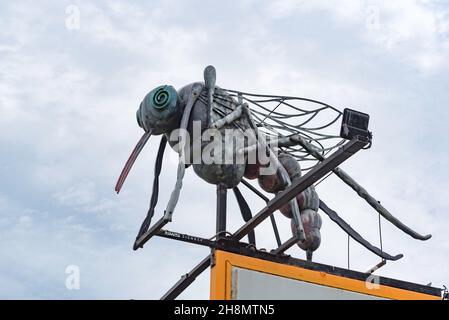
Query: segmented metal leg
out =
(196, 90)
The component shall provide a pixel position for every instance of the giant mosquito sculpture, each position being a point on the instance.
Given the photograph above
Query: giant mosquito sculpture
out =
(271, 135)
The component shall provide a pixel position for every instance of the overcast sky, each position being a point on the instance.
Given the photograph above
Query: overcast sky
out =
(72, 75)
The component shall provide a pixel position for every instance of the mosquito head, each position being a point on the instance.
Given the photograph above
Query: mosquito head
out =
(159, 111)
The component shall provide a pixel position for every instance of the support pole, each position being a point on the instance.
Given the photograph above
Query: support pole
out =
(221, 210)
(320, 170)
(187, 279)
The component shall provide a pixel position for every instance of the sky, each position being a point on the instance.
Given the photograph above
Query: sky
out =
(72, 74)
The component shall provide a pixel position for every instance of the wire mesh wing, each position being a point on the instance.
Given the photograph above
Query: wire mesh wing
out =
(283, 116)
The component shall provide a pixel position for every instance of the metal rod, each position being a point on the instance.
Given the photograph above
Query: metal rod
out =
(285, 246)
(210, 77)
(375, 204)
(377, 266)
(275, 230)
(320, 170)
(150, 233)
(221, 210)
(246, 212)
(186, 238)
(348, 250)
(354, 234)
(272, 218)
(257, 192)
(380, 234)
(187, 279)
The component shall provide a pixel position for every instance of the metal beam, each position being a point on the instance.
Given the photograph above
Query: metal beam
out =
(257, 192)
(150, 233)
(285, 246)
(187, 279)
(377, 267)
(186, 238)
(221, 210)
(319, 171)
(275, 230)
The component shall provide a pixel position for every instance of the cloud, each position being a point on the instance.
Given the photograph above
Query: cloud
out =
(413, 31)
(67, 124)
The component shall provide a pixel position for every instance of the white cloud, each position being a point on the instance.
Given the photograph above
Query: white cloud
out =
(67, 124)
(413, 31)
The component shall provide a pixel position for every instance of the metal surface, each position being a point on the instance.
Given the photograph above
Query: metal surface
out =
(210, 76)
(320, 170)
(186, 238)
(292, 126)
(275, 230)
(345, 152)
(354, 123)
(377, 267)
(257, 192)
(140, 241)
(194, 93)
(285, 246)
(150, 233)
(286, 260)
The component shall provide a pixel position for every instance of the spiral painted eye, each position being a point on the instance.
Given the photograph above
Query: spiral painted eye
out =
(163, 97)
(159, 111)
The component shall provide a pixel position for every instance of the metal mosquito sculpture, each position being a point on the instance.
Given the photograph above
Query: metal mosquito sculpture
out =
(283, 131)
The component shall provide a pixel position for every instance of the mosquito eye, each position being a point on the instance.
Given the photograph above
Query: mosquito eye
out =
(159, 110)
(163, 97)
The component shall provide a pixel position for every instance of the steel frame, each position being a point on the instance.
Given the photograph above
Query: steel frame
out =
(315, 174)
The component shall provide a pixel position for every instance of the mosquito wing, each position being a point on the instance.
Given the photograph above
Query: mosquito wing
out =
(282, 116)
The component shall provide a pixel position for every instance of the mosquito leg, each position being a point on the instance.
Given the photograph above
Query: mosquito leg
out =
(280, 170)
(293, 203)
(155, 192)
(196, 91)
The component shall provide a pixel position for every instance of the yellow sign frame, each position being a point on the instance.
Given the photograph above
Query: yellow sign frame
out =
(221, 282)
